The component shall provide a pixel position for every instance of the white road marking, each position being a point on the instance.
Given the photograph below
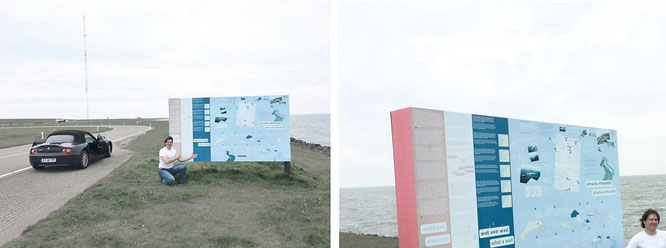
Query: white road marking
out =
(134, 134)
(15, 147)
(9, 174)
(12, 155)
(26, 168)
(121, 132)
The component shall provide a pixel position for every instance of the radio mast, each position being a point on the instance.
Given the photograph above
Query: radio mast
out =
(85, 65)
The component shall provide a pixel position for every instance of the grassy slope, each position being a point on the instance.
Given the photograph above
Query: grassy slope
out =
(11, 137)
(352, 240)
(222, 205)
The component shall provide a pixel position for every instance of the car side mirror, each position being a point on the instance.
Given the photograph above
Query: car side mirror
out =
(100, 137)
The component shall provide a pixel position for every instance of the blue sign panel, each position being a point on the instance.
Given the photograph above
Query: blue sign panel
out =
(568, 185)
(201, 128)
(491, 182)
(493, 188)
(251, 128)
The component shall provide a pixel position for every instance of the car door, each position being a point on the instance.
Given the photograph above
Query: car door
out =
(92, 144)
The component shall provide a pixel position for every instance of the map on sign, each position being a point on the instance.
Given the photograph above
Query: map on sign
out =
(251, 128)
(570, 191)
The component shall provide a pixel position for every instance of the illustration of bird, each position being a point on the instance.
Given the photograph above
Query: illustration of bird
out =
(530, 226)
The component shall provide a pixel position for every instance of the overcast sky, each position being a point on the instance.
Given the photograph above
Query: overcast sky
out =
(140, 53)
(597, 64)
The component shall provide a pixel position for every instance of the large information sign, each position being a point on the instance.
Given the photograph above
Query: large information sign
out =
(251, 128)
(465, 180)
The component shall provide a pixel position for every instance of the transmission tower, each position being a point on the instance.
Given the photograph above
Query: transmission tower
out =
(85, 66)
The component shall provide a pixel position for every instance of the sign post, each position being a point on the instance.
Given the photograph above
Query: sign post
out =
(287, 169)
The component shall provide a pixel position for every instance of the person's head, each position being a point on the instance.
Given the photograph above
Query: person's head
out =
(650, 219)
(168, 142)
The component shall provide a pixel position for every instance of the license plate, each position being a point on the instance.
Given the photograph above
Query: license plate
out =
(48, 160)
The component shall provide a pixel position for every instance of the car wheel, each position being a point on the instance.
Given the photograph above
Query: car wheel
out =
(37, 166)
(83, 159)
(108, 151)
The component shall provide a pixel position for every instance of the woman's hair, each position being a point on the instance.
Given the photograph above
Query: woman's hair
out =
(168, 138)
(648, 213)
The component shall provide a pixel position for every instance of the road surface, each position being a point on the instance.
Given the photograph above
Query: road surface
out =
(28, 195)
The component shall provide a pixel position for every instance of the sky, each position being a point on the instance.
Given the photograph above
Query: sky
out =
(140, 53)
(594, 63)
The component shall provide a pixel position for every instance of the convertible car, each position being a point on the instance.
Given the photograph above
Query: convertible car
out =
(69, 147)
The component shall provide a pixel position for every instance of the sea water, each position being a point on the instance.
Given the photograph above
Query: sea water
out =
(373, 210)
(312, 128)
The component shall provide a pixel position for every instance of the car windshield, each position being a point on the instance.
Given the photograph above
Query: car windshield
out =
(60, 138)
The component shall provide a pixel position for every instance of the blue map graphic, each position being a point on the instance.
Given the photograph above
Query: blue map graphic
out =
(249, 128)
(569, 196)
(252, 128)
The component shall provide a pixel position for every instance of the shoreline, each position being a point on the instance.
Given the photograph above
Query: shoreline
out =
(312, 146)
(634, 203)
(348, 239)
(369, 234)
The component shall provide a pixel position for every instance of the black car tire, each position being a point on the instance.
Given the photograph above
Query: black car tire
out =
(84, 159)
(108, 151)
(37, 166)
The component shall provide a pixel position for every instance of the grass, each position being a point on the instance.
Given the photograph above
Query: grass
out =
(353, 240)
(228, 241)
(222, 205)
(52, 122)
(19, 136)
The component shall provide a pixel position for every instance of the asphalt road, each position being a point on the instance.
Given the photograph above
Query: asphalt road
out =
(28, 195)
(14, 159)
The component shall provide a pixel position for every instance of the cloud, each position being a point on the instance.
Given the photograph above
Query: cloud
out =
(598, 64)
(152, 50)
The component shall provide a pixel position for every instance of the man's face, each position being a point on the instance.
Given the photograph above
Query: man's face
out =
(169, 143)
(651, 223)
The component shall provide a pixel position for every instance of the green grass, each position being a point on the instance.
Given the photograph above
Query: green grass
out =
(27, 122)
(353, 240)
(241, 204)
(12, 137)
(229, 241)
(71, 122)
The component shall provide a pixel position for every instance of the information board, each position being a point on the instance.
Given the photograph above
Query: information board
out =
(249, 128)
(465, 180)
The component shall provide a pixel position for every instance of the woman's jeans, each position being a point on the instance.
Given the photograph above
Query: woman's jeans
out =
(167, 175)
